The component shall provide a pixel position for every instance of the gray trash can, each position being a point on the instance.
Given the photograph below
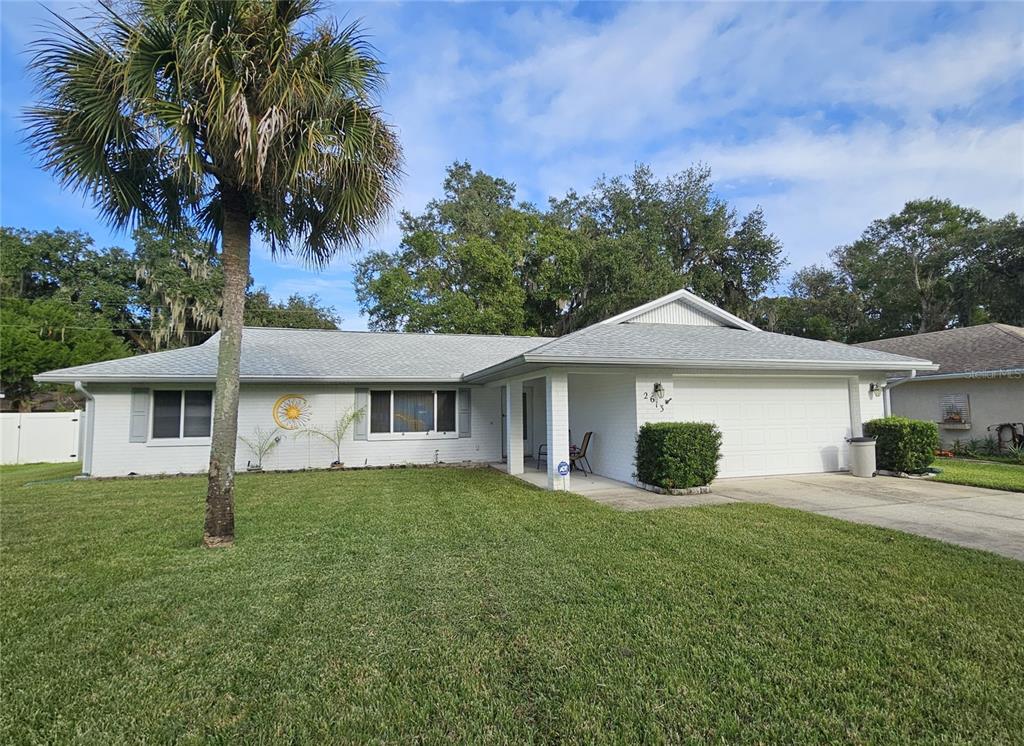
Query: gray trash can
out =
(862, 456)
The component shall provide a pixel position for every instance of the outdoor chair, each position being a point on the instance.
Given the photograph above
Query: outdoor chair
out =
(542, 450)
(579, 458)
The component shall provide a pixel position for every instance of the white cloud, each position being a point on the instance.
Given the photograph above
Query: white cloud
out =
(661, 69)
(822, 190)
(827, 115)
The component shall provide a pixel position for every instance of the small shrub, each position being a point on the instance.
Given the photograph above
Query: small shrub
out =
(677, 455)
(260, 444)
(983, 447)
(903, 444)
(335, 434)
(1016, 453)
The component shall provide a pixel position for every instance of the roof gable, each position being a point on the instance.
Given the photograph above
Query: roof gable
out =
(681, 308)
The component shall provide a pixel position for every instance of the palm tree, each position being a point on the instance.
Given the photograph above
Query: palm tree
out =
(234, 116)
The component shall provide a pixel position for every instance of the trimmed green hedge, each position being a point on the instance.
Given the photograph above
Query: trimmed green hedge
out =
(903, 444)
(677, 455)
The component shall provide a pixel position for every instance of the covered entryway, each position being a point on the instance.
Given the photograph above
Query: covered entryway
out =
(771, 425)
(552, 414)
(534, 412)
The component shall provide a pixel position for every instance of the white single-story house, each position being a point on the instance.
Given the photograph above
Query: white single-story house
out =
(979, 384)
(784, 404)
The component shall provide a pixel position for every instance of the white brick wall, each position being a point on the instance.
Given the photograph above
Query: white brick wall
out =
(113, 455)
(611, 405)
(557, 414)
(871, 405)
(514, 426)
(605, 404)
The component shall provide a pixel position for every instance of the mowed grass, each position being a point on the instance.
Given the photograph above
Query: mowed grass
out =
(437, 605)
(979, 474)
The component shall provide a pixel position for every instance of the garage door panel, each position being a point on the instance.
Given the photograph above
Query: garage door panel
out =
(772, 426)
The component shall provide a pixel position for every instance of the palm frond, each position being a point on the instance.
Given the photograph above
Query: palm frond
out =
(170, 102)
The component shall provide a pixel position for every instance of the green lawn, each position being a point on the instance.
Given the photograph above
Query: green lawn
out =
(978, 474)
(437, 605)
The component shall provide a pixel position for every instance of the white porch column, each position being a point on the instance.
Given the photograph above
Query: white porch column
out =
(557, 386)
(856, 424)
(514, 426)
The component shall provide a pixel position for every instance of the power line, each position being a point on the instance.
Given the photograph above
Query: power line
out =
(147, 307)
(64, 327)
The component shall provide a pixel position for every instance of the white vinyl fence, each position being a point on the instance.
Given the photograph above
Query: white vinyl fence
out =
(31, 437)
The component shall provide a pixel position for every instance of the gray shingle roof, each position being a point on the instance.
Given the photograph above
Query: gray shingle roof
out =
(313, 354)
(987, 347)
(316, 355)
(701, 346)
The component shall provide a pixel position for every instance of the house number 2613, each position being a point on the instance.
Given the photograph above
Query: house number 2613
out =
(657, 397)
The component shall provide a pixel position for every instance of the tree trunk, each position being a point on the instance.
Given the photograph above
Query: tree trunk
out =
(219, 529)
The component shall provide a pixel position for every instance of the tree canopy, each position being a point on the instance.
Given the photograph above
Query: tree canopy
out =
(932, 266)
(67, 303)
(476, 261)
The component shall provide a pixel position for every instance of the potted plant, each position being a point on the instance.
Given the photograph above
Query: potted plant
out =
(954, 416)
(260, 444)
(335, 434)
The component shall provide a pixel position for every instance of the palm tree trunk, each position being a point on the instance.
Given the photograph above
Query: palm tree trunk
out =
(219, 529)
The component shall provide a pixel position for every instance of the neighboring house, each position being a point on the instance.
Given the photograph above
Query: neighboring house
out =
(784, 404)
(979, 383)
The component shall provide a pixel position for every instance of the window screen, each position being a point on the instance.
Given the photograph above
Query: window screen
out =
(166, 414)
(414, 411)
(380, 411)
(956, 409)
(198, 413)
(446, 411)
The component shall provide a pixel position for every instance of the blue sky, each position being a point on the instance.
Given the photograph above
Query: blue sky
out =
(827, 116)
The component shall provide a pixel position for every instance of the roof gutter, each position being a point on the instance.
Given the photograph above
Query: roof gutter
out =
(974, 374)
(888, 386)
(770, 364)
(47, 378)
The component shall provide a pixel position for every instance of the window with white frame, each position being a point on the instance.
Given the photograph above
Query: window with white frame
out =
(182, 414)
(412, 411)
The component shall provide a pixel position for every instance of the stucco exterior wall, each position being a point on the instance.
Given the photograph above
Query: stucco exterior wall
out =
(114, 455)
(992, 401)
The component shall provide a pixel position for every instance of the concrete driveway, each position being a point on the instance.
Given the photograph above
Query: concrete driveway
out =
(971, 516)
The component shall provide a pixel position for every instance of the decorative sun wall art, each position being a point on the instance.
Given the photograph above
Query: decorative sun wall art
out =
(291, 411)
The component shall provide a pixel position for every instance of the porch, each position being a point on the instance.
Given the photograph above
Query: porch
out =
(545, 418)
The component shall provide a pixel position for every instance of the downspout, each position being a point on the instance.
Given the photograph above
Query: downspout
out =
(886, 401)
(90, 421)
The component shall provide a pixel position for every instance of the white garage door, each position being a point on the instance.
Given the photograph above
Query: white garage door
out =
(771, 425)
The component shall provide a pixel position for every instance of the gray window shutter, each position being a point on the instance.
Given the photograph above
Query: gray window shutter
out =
(360, 426)
(138, 428)
(465, 413)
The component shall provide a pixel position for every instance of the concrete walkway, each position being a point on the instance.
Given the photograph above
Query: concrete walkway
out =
(970, 516)
(618, 495)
